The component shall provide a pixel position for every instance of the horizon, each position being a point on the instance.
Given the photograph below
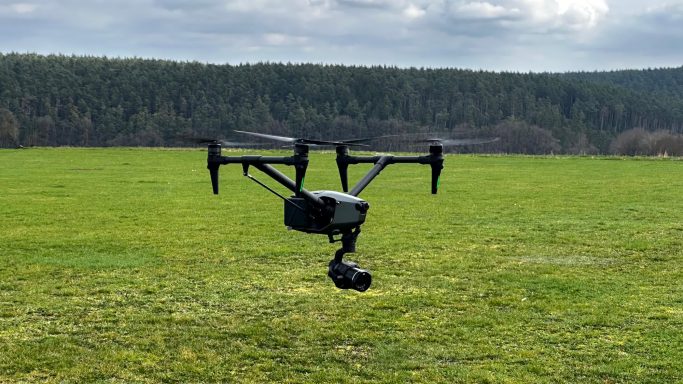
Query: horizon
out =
(328, 64)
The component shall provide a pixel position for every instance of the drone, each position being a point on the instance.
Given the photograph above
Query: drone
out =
(339, 215)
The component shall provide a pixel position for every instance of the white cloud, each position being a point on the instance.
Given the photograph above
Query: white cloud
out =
(23, 7)
(482, 10)
(525, 15)
(17, 8)
(276, 39)
(492, 34)
(676, 8)
(572, 14)
(413, 12)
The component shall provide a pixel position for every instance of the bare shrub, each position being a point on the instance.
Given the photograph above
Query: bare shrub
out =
(633, 142)
(639, 142)
(666, 143)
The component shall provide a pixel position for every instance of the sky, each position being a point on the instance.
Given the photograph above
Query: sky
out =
(496, 35)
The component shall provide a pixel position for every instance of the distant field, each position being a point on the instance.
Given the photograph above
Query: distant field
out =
(120, 265)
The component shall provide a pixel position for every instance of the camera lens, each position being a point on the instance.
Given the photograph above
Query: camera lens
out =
(361, 280)
(346, 274)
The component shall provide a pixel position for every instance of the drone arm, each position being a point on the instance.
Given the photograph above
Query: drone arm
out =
(434, 159)
(299, 161)
(262, 163)
(289, 184)
(343, 161)
(299, 164)
(215, 160)
(380, 164)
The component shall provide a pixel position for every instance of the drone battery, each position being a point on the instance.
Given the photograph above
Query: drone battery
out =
(296, 213)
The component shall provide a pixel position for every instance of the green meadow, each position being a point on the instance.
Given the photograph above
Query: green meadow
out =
(120, 265)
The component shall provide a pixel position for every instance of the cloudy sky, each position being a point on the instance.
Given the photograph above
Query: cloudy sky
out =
(501, 35)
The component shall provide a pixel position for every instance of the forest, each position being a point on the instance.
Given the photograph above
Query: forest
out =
(60, 100)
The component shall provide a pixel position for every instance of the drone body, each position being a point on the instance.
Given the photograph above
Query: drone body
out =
(348, 213)
(325, 212)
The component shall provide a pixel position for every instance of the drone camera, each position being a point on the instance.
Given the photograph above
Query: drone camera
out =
(347, 275)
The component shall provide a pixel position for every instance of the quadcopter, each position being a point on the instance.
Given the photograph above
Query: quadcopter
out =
(339, 215)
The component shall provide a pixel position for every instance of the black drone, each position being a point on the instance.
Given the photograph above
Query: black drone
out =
(338, 215)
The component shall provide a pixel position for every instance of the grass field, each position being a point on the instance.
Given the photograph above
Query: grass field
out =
(120, 265)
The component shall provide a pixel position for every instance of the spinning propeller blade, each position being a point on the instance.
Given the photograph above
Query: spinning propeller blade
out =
(460, 142)
(366, 139)
(225, 143)
(293, 140)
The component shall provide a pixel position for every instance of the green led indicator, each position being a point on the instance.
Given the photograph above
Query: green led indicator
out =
(301, 188)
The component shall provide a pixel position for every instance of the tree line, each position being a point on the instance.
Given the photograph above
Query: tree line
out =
(97, 101)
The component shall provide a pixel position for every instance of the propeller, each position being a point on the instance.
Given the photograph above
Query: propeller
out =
(460, 142)
(225, 143)
(293, 140)
(366, 139)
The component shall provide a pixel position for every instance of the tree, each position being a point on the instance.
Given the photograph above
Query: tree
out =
(59, 100)
(9, 129)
